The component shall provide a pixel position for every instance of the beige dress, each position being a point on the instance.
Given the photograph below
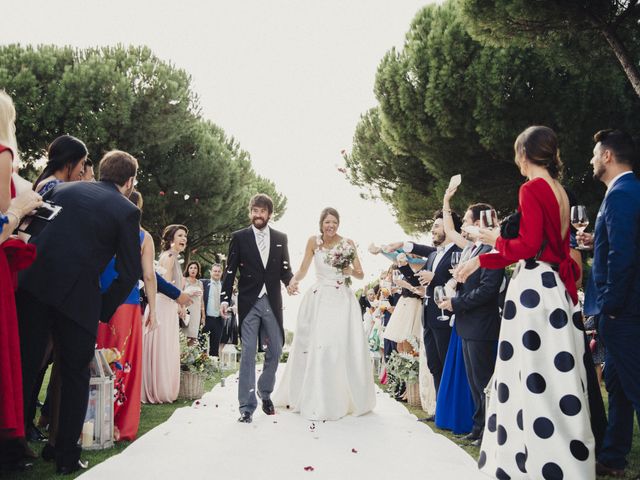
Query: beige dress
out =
(161, 349)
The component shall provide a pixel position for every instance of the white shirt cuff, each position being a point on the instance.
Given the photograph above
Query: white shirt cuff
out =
(407, 247)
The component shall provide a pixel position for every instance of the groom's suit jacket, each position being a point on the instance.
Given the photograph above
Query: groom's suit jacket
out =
(614, 283)
(244, 257)
(476, 302)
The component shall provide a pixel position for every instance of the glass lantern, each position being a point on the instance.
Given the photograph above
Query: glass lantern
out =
(97, 430)
(229, 357)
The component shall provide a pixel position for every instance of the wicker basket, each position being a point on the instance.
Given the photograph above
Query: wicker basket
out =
(413, 394)
(191, 385)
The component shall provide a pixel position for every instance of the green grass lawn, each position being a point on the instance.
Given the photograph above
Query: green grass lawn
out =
(154, 415)
(150, 417)
(633, 470)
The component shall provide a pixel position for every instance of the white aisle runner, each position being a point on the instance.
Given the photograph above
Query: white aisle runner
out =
(205, 441)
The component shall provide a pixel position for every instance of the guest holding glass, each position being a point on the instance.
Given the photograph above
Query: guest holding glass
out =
(613, 293)
(476, 310)
(538, 417)
(161, 345)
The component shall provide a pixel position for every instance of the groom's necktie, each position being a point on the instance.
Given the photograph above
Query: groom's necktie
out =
(262, 243)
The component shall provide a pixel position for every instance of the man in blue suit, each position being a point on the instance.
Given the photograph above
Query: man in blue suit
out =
(613, 292)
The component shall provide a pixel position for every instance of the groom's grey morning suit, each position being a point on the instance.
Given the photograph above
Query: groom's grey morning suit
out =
(262, 257)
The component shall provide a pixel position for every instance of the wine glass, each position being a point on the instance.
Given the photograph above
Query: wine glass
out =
(455, 259)
(439, 296)
(488, 218)
(579, 220)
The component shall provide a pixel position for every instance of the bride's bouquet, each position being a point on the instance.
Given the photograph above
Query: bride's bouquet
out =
(341, 256)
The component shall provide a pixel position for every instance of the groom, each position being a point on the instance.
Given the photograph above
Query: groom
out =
(262, 255)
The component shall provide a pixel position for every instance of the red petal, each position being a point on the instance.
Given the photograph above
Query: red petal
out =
(353, 450)
(309, 469)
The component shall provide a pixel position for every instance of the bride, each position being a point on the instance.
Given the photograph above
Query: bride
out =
(328, 374)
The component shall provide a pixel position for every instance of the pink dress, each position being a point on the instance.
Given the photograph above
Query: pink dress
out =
(161, 349)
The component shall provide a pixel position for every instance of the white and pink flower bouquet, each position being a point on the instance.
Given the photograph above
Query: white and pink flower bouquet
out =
(341, 256)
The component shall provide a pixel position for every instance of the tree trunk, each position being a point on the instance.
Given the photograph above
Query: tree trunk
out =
(623, 56)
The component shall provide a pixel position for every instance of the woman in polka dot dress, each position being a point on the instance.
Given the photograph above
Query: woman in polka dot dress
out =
(538, 412)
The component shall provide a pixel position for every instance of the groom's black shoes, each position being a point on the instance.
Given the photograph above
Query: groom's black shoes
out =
(268, 408)
(245, 417)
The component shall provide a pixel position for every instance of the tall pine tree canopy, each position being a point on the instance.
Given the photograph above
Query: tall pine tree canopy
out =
(449, 103)
(191, 172)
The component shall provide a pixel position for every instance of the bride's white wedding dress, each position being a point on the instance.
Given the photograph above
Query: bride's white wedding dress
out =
(329, 372)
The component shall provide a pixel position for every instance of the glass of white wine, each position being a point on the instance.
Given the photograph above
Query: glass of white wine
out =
(579, 220)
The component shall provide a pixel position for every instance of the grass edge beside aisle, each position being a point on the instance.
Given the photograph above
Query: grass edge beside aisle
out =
(150, 417)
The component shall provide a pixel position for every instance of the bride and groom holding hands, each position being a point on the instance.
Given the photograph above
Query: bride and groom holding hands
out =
(329, 373)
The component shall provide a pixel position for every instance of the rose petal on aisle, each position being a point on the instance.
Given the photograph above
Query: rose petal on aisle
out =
(203, 441)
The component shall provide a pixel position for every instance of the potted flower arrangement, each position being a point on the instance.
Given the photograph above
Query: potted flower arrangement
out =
(403, 368)
(196, 366)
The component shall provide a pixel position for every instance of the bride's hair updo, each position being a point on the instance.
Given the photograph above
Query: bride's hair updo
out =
(326, 212)
(539, 145)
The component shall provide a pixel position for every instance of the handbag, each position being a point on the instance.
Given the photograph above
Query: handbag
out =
(510, 228)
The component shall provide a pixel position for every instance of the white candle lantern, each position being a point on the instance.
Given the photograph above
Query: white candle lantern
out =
(229, 357)
(97, 431)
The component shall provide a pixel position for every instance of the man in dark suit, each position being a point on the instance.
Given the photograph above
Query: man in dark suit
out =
(262, 256)
(436, 272)
(214, 323)
(477, 322)
(613, 292)
(59, 295)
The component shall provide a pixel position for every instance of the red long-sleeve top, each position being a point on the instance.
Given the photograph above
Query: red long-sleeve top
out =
(540, 219)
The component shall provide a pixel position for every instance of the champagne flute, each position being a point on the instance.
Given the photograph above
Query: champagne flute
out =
(439, 296)
(579, 220)
(488, 218)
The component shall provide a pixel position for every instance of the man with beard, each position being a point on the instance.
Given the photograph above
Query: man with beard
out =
(261, 255)
(613, 293)
(59, 295)
(436, 272)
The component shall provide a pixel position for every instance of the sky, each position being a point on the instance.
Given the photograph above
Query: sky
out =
(288, 79)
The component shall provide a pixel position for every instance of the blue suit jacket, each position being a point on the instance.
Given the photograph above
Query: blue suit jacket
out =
(614, 283)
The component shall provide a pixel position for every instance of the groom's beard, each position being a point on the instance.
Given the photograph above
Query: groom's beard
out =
(259, 223)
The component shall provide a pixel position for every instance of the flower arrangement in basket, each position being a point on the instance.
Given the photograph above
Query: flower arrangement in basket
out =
(196, 366)
(341, 256)
(402, 368)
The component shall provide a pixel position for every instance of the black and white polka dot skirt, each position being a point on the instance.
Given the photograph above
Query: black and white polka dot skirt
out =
(537, 421)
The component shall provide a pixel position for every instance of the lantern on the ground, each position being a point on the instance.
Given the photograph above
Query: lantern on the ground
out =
(376, 360)
(97, 431)
(229, 357)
